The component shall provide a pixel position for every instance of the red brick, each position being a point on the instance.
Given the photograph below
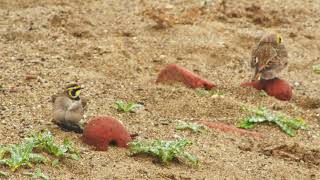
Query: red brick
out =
(232, 129)
(277, 88)
(101, 131)
(173, 72)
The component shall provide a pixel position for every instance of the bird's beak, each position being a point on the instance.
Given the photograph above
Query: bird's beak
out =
(261, 67)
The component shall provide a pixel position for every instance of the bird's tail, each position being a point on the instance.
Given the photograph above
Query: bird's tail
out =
(68, 126)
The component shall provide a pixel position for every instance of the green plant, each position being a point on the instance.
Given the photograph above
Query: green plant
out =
(165, 151)
(37, 174)
(194, 127)
(127, 107)
(44, 141)
(3, 174)
(28, 151)
(288, 125)
(262, 93)
(316, 68)
(20, 155)
(212, 92)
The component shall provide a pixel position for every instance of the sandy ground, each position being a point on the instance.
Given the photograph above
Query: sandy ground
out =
(115, 50)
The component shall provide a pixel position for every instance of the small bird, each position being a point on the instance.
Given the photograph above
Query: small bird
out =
(269, 58)
(68, 108)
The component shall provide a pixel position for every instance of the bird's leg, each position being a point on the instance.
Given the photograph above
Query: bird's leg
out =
(256, 75)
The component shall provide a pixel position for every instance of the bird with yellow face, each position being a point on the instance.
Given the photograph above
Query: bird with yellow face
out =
(269, 57)
(68, 108)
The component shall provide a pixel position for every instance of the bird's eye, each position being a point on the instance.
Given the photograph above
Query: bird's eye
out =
(269, 63)
(279, 39)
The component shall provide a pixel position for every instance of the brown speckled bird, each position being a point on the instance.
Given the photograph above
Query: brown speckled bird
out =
(269, 58)
(68, 108)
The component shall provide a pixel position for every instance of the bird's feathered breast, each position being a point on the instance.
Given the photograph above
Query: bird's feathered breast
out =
(62, 102)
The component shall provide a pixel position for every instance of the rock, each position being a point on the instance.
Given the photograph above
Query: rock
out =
(175, 73)
(103, 131)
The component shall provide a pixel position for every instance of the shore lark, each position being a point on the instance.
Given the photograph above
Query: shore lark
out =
(68, 108)
(269, 58)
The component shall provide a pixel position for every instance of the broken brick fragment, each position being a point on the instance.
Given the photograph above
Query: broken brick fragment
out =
(176, 73)
(276, 87)
(103, 131)
(232, 129)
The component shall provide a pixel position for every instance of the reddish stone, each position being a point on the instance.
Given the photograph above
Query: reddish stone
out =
(232, 129)
(102, 131)
(277, 88)
(255, 84)
(174, 72)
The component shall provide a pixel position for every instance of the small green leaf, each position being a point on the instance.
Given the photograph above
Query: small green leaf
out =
(316, 68)
(55, 163)
(246, 124)
(212, 92)
(262, 93)
(3, 173)
(37, 174)
(197, 128)
(127, 107)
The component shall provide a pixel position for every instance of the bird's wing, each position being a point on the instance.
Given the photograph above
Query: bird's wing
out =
(61, 102)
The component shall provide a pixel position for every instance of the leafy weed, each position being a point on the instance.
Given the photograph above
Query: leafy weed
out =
(165, 151)
(260, 115)
(194, 127)
(127, 107)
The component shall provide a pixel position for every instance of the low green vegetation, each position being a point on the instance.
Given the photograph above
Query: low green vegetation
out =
(211, 93)
(3, 174)
(262, 93)
(194, 127)
(37, 174)
(165, 151)
(35, 149)
(316, 68)
(260, 115)
(127, 107)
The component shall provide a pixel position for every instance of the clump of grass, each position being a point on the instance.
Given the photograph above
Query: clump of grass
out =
(165, 151)
(316, 68)
(31, 149)
(260, 115)
(37, 174)
(194, 127)
(212, 92)
(127, 107)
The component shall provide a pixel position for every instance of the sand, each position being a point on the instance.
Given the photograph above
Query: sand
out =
(115, 49)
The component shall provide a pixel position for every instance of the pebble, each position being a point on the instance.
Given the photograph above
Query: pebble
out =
(296, 84)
